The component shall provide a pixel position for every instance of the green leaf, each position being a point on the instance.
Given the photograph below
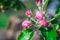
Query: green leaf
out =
(49, 35)
(26, 34)
(52, 34)
(57, 26)
(54, 21)
(43, 31)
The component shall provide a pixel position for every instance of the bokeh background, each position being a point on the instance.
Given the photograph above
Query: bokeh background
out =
(12, 13)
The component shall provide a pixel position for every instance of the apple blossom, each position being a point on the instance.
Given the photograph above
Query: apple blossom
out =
(43, 22)
(26, 24)
(38, 2)
(28, 12)
(39, 15)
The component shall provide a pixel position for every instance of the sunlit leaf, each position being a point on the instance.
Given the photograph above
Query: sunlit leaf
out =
(26, 34)
(49, 35)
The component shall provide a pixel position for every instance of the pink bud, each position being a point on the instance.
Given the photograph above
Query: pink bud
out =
(58, 30)
(26, 24)
(43, 22)
(39, 15)
(28, 12)
(38, 1)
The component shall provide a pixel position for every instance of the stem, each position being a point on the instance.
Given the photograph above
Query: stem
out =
(51, 20)
(34, 20)
(56, 16)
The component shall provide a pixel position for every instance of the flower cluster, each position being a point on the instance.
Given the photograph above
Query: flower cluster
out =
(40, 21)
(38, 15)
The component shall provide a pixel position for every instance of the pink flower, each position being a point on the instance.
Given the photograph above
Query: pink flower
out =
(39, 15)
(58, 30)
(26, 24)
(28, 12)
(43, 22)
(38, 1)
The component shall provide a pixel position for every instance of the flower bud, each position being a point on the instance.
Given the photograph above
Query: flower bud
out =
(38, 1)
(58, 30)
(39, 15)
(28, 12)
(26, 24)
(43, 22)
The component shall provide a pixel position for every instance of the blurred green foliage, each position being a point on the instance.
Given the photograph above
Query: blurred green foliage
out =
(4, 20)
(7, 5)
(12, 4)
